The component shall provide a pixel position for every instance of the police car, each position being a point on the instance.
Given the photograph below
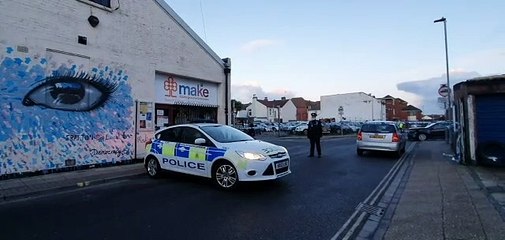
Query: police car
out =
(223, 153)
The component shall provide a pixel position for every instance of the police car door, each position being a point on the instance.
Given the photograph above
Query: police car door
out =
(168, 140)
(191, 157)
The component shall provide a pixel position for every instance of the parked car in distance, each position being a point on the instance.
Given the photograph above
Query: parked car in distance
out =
(417, 124)
(380, 136)
(301, 129)
(339, 128)
(436, 130)
(290, 126)
(355, 126)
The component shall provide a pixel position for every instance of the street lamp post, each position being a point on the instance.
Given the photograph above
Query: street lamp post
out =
(278, 120)
(449, 105)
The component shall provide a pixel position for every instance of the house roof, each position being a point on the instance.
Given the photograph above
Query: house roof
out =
(273, 103)
(393, 98)
(411, 108)
(299, 102)
(190, 31)
(313, 105)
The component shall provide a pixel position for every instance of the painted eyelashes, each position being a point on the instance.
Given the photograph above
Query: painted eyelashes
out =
(78, 92)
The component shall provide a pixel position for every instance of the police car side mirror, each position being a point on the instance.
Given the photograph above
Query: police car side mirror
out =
(200, 141)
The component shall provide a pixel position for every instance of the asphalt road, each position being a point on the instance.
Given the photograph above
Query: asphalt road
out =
(311, 203)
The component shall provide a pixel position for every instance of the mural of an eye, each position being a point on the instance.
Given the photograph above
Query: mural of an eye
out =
(79, 92)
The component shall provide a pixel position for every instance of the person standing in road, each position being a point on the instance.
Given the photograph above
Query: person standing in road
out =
(314, 134)
(251, 131)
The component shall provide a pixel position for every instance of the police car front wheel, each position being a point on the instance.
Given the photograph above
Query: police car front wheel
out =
(225, 176)
(153, 167)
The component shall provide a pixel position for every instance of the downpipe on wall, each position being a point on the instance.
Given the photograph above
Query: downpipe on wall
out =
(227, 71)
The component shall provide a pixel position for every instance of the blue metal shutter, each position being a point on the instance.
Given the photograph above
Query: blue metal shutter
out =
(490, 116)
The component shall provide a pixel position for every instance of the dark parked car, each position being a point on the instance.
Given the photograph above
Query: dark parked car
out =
(337, 128)
(436, 130)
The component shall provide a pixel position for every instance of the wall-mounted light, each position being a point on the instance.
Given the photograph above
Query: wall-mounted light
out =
(93, 21)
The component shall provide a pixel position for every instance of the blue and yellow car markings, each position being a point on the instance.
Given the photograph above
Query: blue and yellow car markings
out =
(198, 153)
(148, 147)
(169, 149)
(182, 150)
(156, 147)
(213, 153)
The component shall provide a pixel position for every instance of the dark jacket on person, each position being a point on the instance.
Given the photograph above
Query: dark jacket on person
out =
(251, 131)
(315, 129)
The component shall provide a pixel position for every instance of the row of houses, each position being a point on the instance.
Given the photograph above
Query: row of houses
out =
(357, 106)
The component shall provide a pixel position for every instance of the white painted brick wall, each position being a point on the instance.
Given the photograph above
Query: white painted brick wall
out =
(355, 109)
(140, 35)
(139, 38)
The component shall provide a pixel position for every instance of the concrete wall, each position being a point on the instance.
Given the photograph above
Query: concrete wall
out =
(357, 107)
(288, 112)
(258, 110)
(40, 54)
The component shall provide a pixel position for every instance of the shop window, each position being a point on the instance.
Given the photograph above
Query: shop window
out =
(195, 114)
(145, 116)
(105, 3)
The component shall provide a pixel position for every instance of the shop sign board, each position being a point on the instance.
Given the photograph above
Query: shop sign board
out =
(177, 90)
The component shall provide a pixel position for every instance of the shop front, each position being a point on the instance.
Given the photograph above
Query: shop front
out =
(182, 100)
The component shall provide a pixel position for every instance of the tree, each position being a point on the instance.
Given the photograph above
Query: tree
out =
(237, 105)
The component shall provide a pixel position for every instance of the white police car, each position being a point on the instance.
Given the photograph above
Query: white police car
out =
(223, 153)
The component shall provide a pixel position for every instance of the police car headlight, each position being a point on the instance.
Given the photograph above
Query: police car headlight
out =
(252, 156)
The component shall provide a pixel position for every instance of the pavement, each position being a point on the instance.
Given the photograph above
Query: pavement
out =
(438, 198)
(435, 198)
(25, 187)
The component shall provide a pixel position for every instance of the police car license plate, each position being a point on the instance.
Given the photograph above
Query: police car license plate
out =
(282, 164)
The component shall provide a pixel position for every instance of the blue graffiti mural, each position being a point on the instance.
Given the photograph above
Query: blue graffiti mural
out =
(50, 113)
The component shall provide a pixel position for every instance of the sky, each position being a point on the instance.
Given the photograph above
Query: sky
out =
(309, 49)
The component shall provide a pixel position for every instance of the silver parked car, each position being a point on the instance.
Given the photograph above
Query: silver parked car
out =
(380, 136)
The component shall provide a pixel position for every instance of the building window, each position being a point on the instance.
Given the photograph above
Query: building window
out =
(105, 3)
(102, 4)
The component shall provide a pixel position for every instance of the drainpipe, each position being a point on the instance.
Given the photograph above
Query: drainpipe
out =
(227, 71)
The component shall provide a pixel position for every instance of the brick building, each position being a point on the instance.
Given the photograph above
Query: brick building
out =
(395, 108)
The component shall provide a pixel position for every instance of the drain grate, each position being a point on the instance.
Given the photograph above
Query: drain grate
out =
(374, 210)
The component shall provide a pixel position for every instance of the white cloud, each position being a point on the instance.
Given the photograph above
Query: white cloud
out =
(258, 44)
(244, 93)
(427, 90)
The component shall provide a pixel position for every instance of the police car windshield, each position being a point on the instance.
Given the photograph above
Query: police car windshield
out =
(226, 134)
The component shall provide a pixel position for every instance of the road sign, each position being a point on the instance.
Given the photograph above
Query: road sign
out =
(443, 91)
(442, 101)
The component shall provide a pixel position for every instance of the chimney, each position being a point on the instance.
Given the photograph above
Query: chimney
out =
(254, 96)
(283, 98)
(266, 98)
